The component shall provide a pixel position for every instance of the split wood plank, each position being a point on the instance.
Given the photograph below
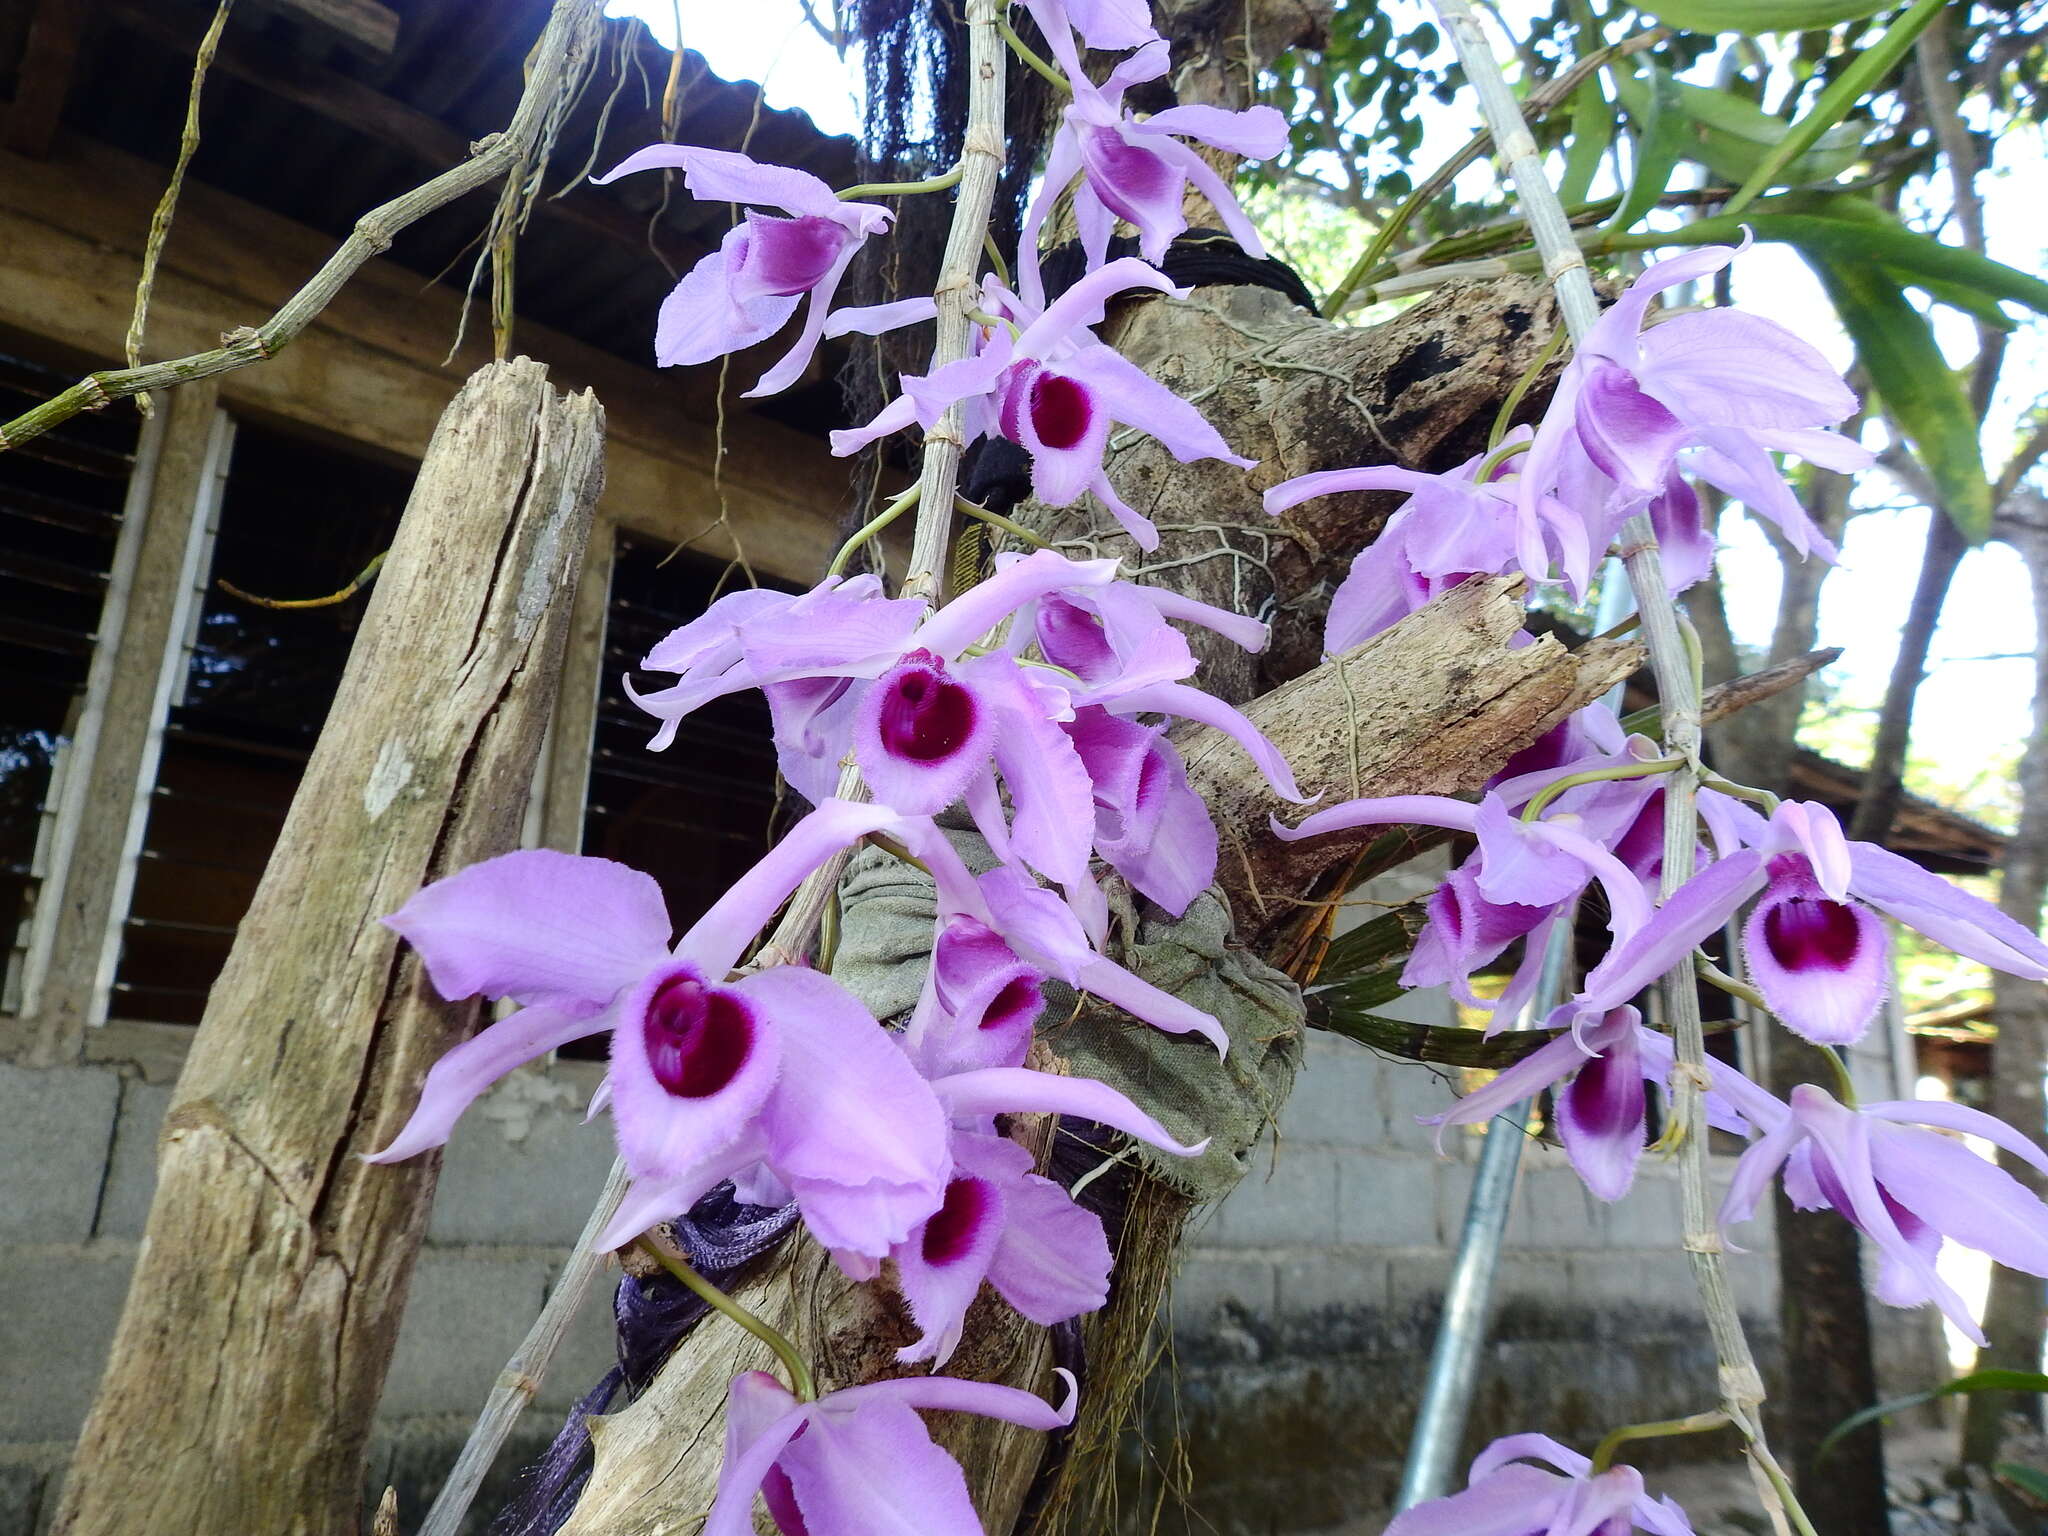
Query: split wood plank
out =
(253, 1347)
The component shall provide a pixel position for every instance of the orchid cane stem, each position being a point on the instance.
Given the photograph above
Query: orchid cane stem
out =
(1028, 55)
(997, 520)
(871, 527)
(1715, 977)
(1674, 663)
(1550, 792)
(938, 183)
(1692, 1424)
(800, 1379)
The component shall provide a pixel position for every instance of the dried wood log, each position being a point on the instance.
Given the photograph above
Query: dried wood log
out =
(265, 1305)
(1432, 706)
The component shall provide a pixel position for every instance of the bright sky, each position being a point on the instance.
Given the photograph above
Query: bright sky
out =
(1971, 711)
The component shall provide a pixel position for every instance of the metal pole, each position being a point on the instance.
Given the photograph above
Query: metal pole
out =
(1454, 1360)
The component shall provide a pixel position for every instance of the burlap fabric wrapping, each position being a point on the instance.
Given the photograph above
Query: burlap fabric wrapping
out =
(887, 925)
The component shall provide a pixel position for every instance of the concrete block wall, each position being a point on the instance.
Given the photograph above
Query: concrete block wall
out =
(1304, 1315)
(79, 1147)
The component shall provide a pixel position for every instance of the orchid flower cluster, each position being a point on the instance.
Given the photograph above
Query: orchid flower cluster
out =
(1713, 395)
(1034, 707)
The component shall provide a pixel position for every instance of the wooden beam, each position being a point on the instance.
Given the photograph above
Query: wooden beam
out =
(125, 694)
(363, 24)
(371, 369)
(274, 1266)
(384, 119)
(49, 63)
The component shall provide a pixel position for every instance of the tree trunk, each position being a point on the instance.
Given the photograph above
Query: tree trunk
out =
(253, 1346)
(1884, 781)
(2013, 1316)
(1825, 1349)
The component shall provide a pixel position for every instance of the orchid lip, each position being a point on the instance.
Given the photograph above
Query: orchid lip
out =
(950, 1232)
(698, 1037)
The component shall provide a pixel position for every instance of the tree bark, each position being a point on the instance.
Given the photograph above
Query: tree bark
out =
(1884, 781)
(252, 1349)
(2013, 1317)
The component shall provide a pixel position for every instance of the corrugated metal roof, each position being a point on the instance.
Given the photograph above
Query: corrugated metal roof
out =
(278, 129)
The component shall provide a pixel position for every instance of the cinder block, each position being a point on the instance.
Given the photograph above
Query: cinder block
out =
(1608, 1278)
(1211, 1284)
(56, 1125)
(589, 1349)
(1336, 1097)
(57, 1319)
(1295, 1205)
(1542, 1279)
(1554, 1209)
(522, 1167)
(21, 1491)
(1387, 1201)
(1338, 1281)
(1417, 1279)
(464, 1316)
(1412, 1091)
(1648, 1215)
(131, 1169)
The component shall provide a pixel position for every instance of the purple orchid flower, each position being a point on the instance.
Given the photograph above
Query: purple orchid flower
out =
(1451, 526)
(858, 1461)
(1815, 951)
(1047, 936)
(1723, 387)
(1601, 1109)
(707, 1079)
(999, 1221)
(1138, 170)
(1506, 1496)
(746, 290)
(1905, 1187)
(1042, 381)
(1150, 825)
(1110, 25)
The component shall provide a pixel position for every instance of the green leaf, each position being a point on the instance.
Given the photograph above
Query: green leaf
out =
(1917, 257)
(1896, 345)
(1734, 138)
(2031, 1481)
(1754, 16)
(1592, 131)
(1659, 147)
(1862, 76)
(1976, 1381)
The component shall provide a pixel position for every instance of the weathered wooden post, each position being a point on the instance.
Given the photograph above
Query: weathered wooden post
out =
(256, 1335)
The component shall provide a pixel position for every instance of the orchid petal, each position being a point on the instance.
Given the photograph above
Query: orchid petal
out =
(1385, 811)
(1257, 133)
(1193, 704)
(718, 938)
(1330, 482)
(1823, 966)
(1730, 368)
(725, 176)
(741, 1476)
(1697, 908)
(792, 364)
(460, 1077)
(875, 1472)
(1015, 1090)
(879, 319)
(543, 927)
(1600, 1113)
(702, 319)
(1515, 1501)
(986, 604)
(1528, 1447)
(1133, 396)
(948, 1394)
(1140, 999)
(1951, 917)
(1967, 1198)
(1961, 1118)
(851, 1125)
(922, 734)
(943, 1264)
(1083, 305)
